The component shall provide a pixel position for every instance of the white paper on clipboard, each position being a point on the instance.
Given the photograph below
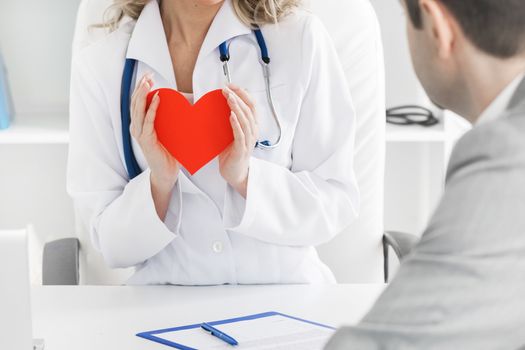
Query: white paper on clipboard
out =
(271, 332)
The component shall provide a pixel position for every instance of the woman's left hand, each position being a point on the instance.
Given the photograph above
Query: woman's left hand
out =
(234, 161)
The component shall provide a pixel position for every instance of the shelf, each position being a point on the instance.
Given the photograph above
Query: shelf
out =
(38, 129)
(415, 133)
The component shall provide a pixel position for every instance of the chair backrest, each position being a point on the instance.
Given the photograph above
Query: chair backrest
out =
(356, 254)
(90, 13)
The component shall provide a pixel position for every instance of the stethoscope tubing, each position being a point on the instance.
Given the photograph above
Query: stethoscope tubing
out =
(224, 49)
(125, 102)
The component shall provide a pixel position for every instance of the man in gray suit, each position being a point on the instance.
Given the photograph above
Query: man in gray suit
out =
(463, 287)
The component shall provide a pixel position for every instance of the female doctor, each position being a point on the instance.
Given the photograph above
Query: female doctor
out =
(253, 214)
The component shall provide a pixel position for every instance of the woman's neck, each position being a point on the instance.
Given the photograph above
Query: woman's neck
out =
(186, 22)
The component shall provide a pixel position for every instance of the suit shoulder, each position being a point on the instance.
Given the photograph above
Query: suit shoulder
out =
(497, 136)
(497, 142)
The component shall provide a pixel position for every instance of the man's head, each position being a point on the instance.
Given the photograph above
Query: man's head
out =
(451, 41)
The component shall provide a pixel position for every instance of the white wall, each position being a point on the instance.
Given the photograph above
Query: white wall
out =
(32, 190)
(35, 38)
(401, 82)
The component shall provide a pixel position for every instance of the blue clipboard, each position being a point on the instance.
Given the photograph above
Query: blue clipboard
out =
(153, 335)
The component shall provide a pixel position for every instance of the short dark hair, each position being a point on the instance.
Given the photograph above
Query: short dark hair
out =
(497, 27)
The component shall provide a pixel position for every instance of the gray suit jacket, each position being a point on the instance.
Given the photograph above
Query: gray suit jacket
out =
(463, 287)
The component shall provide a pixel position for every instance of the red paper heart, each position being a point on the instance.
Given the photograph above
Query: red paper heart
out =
(193, 134)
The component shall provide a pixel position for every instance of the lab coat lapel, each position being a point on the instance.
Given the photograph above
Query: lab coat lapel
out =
(225, 26)
(148, 43)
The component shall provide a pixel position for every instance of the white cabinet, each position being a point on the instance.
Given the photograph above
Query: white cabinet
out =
(416, 162)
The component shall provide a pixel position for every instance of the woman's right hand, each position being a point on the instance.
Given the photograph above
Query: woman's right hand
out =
(164, 167)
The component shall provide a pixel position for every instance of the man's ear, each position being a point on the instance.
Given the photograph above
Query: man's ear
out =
(440, 24)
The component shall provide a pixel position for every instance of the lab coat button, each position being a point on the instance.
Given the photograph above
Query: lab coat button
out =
(217, 247)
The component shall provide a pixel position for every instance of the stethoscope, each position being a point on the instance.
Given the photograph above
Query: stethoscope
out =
(411, 115)
(126, 91)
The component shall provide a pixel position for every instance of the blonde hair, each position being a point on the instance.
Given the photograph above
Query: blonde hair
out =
(250, 12)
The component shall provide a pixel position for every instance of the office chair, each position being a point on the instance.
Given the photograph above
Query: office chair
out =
(360, 254)
(60, 265)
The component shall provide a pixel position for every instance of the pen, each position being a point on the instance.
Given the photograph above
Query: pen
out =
(217, 333)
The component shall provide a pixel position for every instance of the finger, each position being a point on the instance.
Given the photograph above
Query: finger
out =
(226, 92)
(144, 87)
(238, 134)
(243, 119)
(134, 96)
(135, 132)
(142, 95)
(248, 108)
(247, 111)
(243, 94)
(234, 103)
(251, 118)
(138, 112)
(140, 86)
(149, 119)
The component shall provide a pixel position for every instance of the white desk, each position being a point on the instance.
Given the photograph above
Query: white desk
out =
(107, 318)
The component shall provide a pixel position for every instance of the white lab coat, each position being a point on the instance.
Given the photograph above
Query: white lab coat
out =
(300, 194)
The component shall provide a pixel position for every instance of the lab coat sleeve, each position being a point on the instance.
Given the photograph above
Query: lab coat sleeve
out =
(318, 197)
(119, 214)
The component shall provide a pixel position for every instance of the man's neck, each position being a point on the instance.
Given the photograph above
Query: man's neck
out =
(185, 22)
(485, 80)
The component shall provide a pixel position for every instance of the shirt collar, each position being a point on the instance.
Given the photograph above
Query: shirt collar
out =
(519, 96)
(148, 42)
(225, 26)
(500, 104)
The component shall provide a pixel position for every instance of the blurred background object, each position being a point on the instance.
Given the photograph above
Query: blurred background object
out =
(6, 101)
